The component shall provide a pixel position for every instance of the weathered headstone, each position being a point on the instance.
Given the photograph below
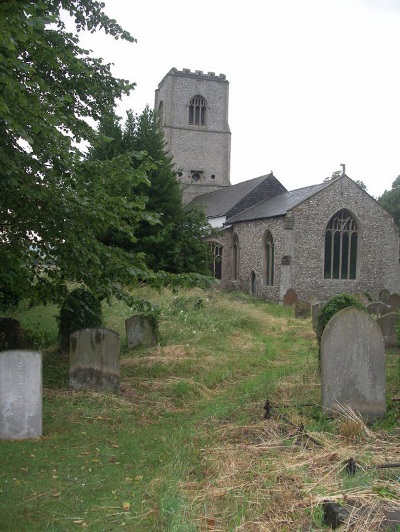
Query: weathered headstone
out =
(290, 298)
(315, 310)
(377, 308)
(10, 334)
(384, 295)
(20, 394)
(388, 324)
(94, 360)
(394, 302)
(302, 309)
(353, 364)
(140, 330)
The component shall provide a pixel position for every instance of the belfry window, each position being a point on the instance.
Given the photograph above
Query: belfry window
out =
(341, 239)
(197, 111)
(269, 259)
(216, 266)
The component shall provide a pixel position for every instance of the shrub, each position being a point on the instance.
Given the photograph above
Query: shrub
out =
(398, 328)
(80, 310)
(336, 303)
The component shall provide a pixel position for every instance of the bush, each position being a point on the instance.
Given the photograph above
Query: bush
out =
(398, 328)
(336, 303)
(80, 310)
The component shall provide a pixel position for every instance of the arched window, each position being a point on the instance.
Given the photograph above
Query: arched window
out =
(216, 266)
(253, 283)
(235, 258)
(341, 238)
(269, 259)
(197, 111)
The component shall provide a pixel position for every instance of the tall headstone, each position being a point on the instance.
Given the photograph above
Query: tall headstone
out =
(394, 302)
(290, 298)
(94, 360)
(377, 308)
(353, 364)
(20, 394)
(388, 326)
(140, 330)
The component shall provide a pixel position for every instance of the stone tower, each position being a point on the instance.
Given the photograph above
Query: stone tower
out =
(193, 111)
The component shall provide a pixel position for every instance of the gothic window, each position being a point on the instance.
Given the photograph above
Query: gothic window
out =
(216, 266)
(341, 238)
(269, 259)
(197, 111)
(235, 259)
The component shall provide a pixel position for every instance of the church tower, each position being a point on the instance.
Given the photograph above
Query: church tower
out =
(193, 111)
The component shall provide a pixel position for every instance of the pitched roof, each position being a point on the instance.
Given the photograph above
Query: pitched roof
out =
(277, 205)
(228, 201)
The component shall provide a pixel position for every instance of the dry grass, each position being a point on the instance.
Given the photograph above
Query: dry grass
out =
(281, 477)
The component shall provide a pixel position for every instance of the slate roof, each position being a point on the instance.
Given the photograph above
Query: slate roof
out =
(228, 201)
(277, 205)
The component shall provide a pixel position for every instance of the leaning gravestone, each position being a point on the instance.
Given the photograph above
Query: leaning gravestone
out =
(353, 364)
(315, 310)
(20, 394)
(394, 302)
(377, 308)
(388, 325)
(290, 298)
(94, 360)
(384, 295)
(140, 330)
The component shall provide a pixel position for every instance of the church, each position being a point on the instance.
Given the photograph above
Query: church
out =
(319, 240)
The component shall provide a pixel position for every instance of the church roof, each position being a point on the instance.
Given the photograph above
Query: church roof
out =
(229, 201)
(278, 205)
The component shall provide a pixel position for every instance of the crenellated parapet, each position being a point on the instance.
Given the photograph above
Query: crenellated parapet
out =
(196, 74)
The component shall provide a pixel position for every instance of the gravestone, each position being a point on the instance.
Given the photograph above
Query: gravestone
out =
(20, 394)
(94, 360)
(377, 308)
(290, 298)
(353, 364)
(10, 334)
(315, 310)
(388, 324)
(384, 295)
(394, 302)
(140, 330)
(302, 309)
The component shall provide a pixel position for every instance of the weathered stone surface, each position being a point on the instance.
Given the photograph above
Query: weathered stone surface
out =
(10, 334)
(384, 295)
(388, 324)
(302, 309)
(20, 394)
(140, 330)
(377, 308)
(394, 302)
(315, 309)
(290, 298)
(94, 360)
(353, 364)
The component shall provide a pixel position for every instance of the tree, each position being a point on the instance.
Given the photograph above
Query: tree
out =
(390, 200)
(174, 244)
(54, 205)
(337, 173)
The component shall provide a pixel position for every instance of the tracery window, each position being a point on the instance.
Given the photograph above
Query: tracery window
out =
(269, 259)
(235, 259)
(341, 240)
(197, 111)
(216, 266)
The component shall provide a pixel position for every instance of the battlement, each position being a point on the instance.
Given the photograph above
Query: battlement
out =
(187, 73)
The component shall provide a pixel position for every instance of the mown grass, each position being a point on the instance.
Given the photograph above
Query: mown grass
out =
(184, 446)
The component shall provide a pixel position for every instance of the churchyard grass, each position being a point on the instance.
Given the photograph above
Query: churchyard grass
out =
(184, 446)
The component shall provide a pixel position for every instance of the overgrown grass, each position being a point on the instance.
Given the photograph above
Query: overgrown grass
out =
(185, 446)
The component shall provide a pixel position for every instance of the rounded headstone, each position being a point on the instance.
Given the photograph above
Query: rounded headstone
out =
(353, 364)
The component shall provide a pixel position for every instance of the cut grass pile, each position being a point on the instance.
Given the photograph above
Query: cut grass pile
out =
(184, 446)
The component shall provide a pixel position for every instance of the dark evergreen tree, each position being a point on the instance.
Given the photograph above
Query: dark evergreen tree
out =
(390, 200)
(175, 244)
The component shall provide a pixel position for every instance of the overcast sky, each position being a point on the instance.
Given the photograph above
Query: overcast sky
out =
(313, 83)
